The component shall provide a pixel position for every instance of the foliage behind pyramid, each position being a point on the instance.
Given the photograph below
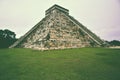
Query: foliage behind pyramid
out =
(58, 30)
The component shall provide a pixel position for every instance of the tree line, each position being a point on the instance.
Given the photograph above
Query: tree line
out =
(114, 43)
(7, 38)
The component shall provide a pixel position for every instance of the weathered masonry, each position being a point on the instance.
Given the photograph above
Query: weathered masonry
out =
(58, 30)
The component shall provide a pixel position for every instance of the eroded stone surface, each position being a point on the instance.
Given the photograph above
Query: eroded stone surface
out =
(58, 30)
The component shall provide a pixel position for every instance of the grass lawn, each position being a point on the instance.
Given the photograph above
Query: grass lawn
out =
(69, 64)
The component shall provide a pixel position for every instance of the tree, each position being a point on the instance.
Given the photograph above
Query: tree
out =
(7, 38)
(114, 43)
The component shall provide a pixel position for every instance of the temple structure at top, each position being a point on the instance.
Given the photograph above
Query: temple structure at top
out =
(56, 7)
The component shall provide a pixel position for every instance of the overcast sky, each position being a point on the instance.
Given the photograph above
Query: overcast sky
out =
(100, 16)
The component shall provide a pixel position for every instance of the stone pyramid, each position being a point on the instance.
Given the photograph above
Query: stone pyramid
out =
(58, 30)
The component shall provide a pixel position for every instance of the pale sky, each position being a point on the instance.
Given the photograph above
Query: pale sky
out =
(100, 16)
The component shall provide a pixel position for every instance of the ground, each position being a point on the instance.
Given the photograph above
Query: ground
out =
(69, 64)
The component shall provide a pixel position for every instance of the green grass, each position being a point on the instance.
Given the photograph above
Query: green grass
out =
(69, 64)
